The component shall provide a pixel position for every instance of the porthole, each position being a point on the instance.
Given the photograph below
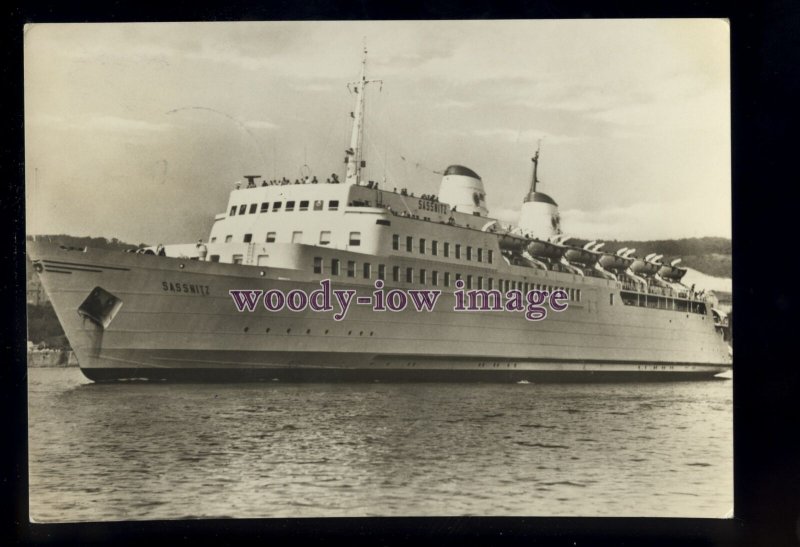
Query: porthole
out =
(182, 266)
(308, 331)
(246, 329)
(267, 331)
(288, 331)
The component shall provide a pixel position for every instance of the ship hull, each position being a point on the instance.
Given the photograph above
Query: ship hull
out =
(175, 320)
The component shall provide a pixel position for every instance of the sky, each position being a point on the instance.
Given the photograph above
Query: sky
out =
(139, 131)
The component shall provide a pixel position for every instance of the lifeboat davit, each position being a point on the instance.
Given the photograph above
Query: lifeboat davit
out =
(576, 255)
(545, 249)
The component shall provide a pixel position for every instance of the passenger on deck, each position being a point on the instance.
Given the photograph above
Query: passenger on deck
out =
(202, 250)
(314, 180)
(160, 250)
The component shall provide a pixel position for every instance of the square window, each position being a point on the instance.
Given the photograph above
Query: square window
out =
(304, 205)
(297, 237)
(265, 207)
(276, 206)
(253, 208)
(324, 237)
(270, 237)
(289, 206)
(248, 238)
(355, 239)
(228, 239)
(333, 205)
(318, 205)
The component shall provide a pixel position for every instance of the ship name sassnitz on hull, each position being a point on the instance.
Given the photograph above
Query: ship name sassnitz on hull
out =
(189, 288)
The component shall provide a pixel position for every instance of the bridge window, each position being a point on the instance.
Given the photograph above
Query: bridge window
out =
(289, 206)
(409, 243)
(355, 239)
(324, 237)
(434, 247)
(318, 205)
(233, 211)
(422, 246)
(276, 206)
(304, 205)
(395, 242)
(317, 264)
(228, 239)
(334, 266)
(270, 237)
(351, 268)
(248, 238)
(253, 208)
(265, 207)
(409, 275)
(367, 270)
(333, 205)
(446, 249)
(242, 209)
(381, 271)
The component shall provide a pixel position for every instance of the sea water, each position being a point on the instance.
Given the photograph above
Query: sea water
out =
(149, 450)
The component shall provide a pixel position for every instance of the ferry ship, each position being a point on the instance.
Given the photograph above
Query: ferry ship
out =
(166, 313)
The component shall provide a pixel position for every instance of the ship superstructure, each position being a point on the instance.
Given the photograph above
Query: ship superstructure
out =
(166, 312)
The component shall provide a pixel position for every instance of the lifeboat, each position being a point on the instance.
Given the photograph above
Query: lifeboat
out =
(576, 255)
(671, 271)
(545, 249)
(615, 262)
(509, 242)
(642, 266)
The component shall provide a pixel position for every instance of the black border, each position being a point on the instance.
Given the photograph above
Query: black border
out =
(765, 86)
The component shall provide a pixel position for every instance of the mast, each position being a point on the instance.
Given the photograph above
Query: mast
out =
(535, 177)
(354, 154)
